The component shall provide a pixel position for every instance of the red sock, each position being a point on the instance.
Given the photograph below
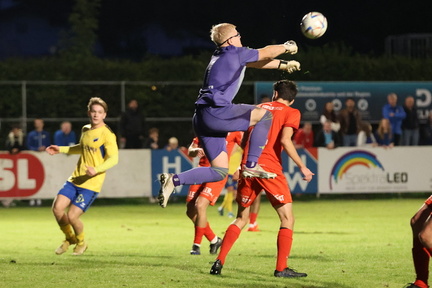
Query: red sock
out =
(421, 264)
(421, 284)
(209, 234)
(231, 235)
(252, 218)
(199, 233)
(284, 243)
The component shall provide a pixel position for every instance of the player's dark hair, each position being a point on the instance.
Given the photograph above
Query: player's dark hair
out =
(286, 89)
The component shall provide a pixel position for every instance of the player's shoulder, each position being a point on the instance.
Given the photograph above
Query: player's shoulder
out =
(86, 128)
(107, 132)
(108, 129)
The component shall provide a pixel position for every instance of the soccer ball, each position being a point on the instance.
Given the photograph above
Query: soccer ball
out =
(313, 25)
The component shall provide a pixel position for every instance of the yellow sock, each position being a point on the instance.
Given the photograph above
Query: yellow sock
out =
(68, 231)
(229, 199)
(80, 238)
(223, 205)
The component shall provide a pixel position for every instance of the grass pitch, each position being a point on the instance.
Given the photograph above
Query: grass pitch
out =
(339, 243)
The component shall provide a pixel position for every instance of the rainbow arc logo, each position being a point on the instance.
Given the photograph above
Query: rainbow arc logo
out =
(351, 159)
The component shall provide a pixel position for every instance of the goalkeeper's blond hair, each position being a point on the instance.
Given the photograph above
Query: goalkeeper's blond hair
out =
(220, 32)
(97, 101)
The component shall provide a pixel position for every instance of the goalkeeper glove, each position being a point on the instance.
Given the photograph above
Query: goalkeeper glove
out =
(289, 66)
(290, 47)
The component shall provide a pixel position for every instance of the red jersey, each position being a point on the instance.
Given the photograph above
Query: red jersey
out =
(283, 116)
(231, 139)
(306, 140)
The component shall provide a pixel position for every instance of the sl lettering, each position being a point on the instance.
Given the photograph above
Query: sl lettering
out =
(21, 175)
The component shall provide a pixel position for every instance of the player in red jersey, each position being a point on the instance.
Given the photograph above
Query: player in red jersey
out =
(421, 225)
(285, 121)
(200, 196)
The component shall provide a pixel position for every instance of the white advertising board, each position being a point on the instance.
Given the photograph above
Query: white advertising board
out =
(39, 175)
(375, 170)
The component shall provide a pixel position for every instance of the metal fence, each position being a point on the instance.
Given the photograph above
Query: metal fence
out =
(167, 105)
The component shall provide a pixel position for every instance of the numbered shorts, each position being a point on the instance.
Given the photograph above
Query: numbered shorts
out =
(230, 182)
(277, 190)
(210, 191)
(80, 197)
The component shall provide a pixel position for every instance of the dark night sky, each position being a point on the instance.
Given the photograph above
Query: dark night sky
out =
(362, 25)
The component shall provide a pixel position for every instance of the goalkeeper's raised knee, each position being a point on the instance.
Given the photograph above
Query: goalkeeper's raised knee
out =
(219, 172)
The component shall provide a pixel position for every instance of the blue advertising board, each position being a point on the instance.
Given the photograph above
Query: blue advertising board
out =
(293, 175)
(164, 161)
(176, 161)
(370, 97)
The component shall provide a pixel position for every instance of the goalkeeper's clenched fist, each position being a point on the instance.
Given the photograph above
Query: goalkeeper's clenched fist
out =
(290, 47)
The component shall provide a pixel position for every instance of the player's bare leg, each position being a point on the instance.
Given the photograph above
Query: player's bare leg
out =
(231, 235)
(197, 212)
(59, 206)
(421, 226)
(284, 242)
(74, 215)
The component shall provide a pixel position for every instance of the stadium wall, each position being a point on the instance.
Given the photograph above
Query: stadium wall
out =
(339, 171)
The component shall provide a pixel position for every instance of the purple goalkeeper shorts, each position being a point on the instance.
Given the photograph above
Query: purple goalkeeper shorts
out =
(211, 125)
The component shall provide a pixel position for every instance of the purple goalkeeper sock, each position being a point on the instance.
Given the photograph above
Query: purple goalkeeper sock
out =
(201, 175)
(258, 137)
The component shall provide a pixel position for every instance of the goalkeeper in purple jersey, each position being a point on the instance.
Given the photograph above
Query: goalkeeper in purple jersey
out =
(216, 115)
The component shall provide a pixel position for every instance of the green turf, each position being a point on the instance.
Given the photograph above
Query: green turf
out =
(339, 243)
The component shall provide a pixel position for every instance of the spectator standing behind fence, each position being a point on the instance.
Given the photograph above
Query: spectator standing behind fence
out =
(383, 134)
(172, 144)
(152, 140)
(38, 139)
(330, 114)
(15, 141)
(131, 126)
(304, 137)
(65, 136)
(395, 114)
(327, 137)
(350, 120)
(410, 125)
(365, 137)
(14, 144)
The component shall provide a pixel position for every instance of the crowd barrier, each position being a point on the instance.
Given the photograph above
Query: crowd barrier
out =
(340, 171)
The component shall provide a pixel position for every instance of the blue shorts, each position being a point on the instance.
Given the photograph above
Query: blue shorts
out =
(230, 182)
(211, 125)
(80, 197)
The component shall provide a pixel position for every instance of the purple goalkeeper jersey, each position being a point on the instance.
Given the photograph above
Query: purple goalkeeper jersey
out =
(224, 75)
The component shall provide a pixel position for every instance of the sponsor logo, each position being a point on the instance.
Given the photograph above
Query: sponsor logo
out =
(79, 199)
(21, 175)
(351, 159)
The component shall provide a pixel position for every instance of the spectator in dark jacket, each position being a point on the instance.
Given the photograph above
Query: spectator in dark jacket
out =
(15, 140)
(410, 125)
(327, 137)
(132, 127)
